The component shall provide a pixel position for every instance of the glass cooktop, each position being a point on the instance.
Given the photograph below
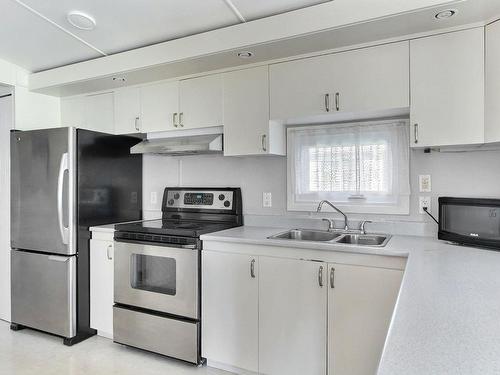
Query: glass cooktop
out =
(173, 227)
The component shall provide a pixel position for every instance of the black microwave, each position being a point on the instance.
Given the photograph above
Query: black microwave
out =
(470, 221)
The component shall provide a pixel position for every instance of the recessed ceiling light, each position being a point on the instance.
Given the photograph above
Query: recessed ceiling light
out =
(445, 14)
(81, 20)
(245, 54)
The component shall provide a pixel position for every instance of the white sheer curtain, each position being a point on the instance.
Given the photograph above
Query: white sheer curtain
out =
(359, 165)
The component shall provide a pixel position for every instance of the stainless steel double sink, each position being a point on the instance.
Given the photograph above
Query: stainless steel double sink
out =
(375, 240)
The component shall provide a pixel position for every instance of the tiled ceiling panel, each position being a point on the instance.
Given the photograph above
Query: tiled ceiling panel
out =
(128, 24)
(31, 42)
(254, 9)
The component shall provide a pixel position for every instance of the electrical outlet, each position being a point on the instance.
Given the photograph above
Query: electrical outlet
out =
(424, 183)
(424, 202)
(267, 200)
(153, 197)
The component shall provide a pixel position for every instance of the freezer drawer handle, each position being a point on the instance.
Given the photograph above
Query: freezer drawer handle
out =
(64, 166)
(56, 258)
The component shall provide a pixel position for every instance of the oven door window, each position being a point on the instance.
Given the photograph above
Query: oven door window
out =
(153, 274)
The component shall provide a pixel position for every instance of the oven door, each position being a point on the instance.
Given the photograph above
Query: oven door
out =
(164, 279)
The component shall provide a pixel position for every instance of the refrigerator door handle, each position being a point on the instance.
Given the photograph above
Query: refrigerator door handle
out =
(64, 166)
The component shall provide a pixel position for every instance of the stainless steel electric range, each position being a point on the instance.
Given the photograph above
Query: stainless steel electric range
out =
(157, 271)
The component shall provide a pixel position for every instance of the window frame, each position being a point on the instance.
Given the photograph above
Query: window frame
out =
(400, 207)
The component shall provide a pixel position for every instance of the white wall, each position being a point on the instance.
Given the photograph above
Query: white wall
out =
(474, 174)
(5, 125)
(31, 110)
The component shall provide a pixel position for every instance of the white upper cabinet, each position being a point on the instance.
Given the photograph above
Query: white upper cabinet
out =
(292, 316)
(360, 305)
(301, 88)
(159, 107)
(99, 112)
(447, 89)
(230, 312)
(201, 102)
(367, 79)
(73, 111)
(93, 112)
(492, 107)
(372, 79)
(247, 129)
(128, 110)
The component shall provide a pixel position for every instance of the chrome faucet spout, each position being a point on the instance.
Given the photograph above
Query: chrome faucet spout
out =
(320, 206)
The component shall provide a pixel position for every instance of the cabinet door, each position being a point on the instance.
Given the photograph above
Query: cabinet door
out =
(246, 112)
(101, 286)
(201, 102)
(230, 309)
(99, 112)
(127, 110)
(371, 79)
(292, 317)
(360, 307)
(447, 89)
(73, 112)
(492, 109)
(298, 88)
(159, 103)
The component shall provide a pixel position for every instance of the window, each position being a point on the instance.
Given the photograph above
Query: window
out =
(362, 167)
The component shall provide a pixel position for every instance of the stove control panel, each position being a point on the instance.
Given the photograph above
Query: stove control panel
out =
(212, 200)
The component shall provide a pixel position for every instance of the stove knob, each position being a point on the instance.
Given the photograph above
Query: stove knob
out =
(171, 202)
(176, 196)
(227, 204)
(222, 197)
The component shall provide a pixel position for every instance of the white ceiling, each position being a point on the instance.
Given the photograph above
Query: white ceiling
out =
(35, 34)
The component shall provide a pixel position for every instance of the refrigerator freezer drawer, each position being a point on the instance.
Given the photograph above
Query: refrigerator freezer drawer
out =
(44, 292)
(171, 337)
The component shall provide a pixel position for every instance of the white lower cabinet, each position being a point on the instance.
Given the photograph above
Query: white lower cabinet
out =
(360, 305)
(230, 313)
(292, 316)
(274, 316)
(101, 286)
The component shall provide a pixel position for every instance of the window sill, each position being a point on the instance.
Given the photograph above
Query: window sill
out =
(402, 208)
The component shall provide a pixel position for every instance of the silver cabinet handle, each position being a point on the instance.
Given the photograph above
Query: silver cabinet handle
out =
(327, 102)
(63, 166)
(332, 278)
(320, 276)
(181, 116)
(337, 101)
(136, 124)
(174, 119)
(108, 252)
(415, 131)
(252, 268)
(263, 142)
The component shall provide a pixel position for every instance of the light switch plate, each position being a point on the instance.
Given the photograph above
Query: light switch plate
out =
(154, 197)
(424, 183)
(424, 201)
(267, 200)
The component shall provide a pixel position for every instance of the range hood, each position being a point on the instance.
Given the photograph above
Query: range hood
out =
(186, 145)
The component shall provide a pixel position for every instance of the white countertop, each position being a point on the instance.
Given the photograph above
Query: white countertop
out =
(447, 317)
(108, 228)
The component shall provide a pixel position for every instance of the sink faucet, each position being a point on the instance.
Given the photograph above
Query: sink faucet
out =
(320, 205)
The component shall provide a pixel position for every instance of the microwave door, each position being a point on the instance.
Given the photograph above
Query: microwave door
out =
(42, 190)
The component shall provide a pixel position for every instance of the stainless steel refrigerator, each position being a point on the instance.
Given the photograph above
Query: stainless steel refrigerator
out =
(63, 181)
